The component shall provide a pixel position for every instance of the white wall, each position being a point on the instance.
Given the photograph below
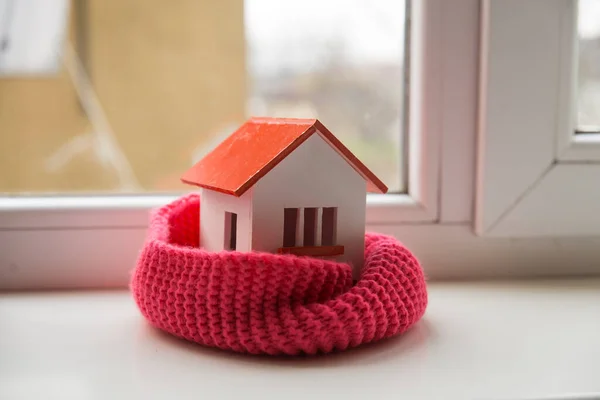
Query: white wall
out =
(314, 175)
(213, 206)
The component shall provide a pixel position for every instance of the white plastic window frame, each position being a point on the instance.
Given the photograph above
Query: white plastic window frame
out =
(93, 242)
(536, 177)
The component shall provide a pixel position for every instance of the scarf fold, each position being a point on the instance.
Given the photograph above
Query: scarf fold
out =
(262, 303)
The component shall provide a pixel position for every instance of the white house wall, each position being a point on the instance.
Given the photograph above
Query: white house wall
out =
(213, 206)
(313, 175)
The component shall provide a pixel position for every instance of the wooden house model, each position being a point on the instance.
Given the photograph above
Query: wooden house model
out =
(285, 186)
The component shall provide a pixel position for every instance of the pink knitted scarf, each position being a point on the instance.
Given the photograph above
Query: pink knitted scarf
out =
(263, 303)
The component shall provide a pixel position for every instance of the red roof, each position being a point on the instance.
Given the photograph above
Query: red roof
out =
(259, 145)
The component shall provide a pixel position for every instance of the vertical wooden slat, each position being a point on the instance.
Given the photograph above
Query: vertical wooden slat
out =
(310, 226)
(328, 235)
(319, 229)
(290, 226)
(300, 228)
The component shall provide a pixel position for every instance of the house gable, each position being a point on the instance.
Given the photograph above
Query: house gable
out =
(313, 176)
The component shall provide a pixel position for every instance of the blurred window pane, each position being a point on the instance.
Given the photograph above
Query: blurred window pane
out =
(144, 88)
(588, 120)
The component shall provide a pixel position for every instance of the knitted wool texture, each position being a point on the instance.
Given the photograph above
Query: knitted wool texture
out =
(264, 303)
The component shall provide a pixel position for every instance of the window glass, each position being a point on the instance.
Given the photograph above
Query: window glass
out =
(124, 96)
(588, 115)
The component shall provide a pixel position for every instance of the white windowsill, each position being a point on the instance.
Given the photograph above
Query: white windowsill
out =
(477, 340)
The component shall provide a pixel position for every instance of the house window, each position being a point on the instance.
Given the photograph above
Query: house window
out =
(230, 231)
(290, 225)
(312, 223)
(329, 226)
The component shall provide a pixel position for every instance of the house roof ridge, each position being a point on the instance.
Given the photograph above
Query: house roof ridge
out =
(282, 121)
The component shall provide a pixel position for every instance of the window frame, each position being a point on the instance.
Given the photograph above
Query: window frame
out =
(92, 242)
(527, 115)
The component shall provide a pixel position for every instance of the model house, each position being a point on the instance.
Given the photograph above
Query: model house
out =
(284, 186)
